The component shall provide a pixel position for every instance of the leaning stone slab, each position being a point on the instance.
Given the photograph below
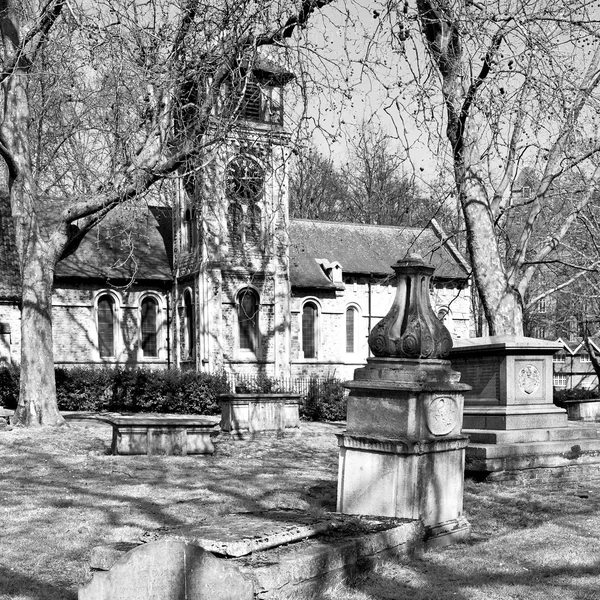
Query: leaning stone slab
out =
(241, 534)
(169, 570)
(291, 567)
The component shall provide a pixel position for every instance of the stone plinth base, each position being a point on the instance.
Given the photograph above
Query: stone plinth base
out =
(509, 413)
(249, 415)
(406, 479)
(402, 454)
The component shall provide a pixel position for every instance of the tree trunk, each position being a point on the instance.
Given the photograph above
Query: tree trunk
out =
(37, 399)
(502, 303)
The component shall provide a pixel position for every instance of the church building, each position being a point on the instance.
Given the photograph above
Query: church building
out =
(216, 276)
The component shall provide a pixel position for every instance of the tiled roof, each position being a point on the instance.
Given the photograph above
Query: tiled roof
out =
(131, 242)
(10, 286)
(363, 249)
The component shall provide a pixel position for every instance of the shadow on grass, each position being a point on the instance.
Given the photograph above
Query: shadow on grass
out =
(15, 583)
(62, 495)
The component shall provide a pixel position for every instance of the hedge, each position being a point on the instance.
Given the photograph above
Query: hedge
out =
(105, 389)
(127, 390)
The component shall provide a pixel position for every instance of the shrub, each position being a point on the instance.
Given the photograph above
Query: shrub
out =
(325, 401)
(9, 387)
(261, 384)
(560, 396)
(126, 390)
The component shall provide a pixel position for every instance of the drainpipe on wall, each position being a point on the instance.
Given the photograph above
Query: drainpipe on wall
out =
(168, 294)
(370, 292)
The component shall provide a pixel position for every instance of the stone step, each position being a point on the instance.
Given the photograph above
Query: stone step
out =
(524, 436)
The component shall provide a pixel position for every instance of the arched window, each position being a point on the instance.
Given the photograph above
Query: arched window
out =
(189, 320)
(351, 327)
(149, 327)
(190, 237)
(309, 330)
(106, 326)
(245, 180)
(247, 318)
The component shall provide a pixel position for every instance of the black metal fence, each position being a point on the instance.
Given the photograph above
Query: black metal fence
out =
(312, 384)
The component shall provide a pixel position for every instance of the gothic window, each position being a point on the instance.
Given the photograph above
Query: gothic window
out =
(247, 320)
(187, 318)
(149, 327)
(351, 324)
(106, 316)
(245, 182)
(309, 330)
(189, 231)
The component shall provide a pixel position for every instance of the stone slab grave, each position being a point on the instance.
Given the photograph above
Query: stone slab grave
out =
(509, 414)
(246, 416)
(157, 434)
(280, 553)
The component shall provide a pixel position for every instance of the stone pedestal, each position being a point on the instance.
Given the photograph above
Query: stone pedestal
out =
(509, 414)
(248, 415)
(402, 454)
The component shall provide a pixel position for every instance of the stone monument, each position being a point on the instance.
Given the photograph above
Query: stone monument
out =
(402, 453)
(516, 432)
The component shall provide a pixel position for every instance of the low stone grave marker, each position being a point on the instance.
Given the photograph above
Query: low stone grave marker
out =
(157, 434)
(249, 415)
(283, 553)
(169, 570)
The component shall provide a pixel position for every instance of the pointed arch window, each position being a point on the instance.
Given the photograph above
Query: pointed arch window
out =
(247, 319)
(106, 316)
(188, 320)
(149, 327)
(351, 328)
(190, 230)
(309, 330)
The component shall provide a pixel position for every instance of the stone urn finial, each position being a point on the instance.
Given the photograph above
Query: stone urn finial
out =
(411, 329)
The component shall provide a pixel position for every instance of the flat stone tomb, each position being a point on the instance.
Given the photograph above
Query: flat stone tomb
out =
(249, 415)
(509, 414)
(158, 434)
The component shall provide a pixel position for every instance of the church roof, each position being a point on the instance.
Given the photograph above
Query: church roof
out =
(10, 279)
(132, 242)
(365, 249)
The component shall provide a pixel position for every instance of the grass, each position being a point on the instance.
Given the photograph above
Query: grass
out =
(61, 494)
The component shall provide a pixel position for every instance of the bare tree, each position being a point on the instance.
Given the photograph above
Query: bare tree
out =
(100, 102)
(492, 88)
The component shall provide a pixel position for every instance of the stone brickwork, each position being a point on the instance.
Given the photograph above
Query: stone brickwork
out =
(75, 327)
(360, 293)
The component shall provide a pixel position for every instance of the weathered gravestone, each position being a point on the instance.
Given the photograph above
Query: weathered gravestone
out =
(169, 570)
(516, 431)
(402, 454)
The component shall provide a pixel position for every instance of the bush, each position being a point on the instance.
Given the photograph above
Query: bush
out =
(325, 401)
(9, 387)
(261, 384)
(560, 396)
(127, 390)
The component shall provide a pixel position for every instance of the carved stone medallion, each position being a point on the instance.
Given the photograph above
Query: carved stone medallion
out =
(442, 415)
(529, 379)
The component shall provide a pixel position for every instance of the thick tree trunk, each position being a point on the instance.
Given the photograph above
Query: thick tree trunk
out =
(502, 303)
(37, 400)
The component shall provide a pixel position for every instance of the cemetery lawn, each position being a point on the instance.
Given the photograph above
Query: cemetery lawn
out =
(61, 494)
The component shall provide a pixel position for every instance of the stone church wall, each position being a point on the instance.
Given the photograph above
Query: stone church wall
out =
(361, 294)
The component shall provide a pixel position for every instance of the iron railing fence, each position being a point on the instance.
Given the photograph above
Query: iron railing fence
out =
(246, 383)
